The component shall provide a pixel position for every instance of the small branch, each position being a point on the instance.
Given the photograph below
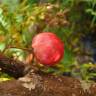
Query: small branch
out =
(25, 49)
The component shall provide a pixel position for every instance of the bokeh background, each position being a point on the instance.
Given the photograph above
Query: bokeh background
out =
(74, 21)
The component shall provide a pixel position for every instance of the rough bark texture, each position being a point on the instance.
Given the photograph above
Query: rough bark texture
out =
(43, 85)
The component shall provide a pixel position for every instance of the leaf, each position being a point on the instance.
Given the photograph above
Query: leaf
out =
(2, 46)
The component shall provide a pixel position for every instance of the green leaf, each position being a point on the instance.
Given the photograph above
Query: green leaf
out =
(2, 46)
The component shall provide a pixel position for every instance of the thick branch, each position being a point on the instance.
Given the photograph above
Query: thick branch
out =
(43, 85)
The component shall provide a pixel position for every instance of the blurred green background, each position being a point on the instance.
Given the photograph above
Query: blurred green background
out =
(74, 21)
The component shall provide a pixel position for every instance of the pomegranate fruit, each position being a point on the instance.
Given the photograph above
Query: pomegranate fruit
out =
(48, 48)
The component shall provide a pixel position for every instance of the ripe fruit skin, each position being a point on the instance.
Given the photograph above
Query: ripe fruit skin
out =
(48, 48)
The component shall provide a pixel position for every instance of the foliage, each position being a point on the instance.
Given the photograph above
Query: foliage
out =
(4, 77)
(71, 20)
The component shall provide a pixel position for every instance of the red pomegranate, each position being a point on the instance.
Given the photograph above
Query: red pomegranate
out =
(48, 48)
